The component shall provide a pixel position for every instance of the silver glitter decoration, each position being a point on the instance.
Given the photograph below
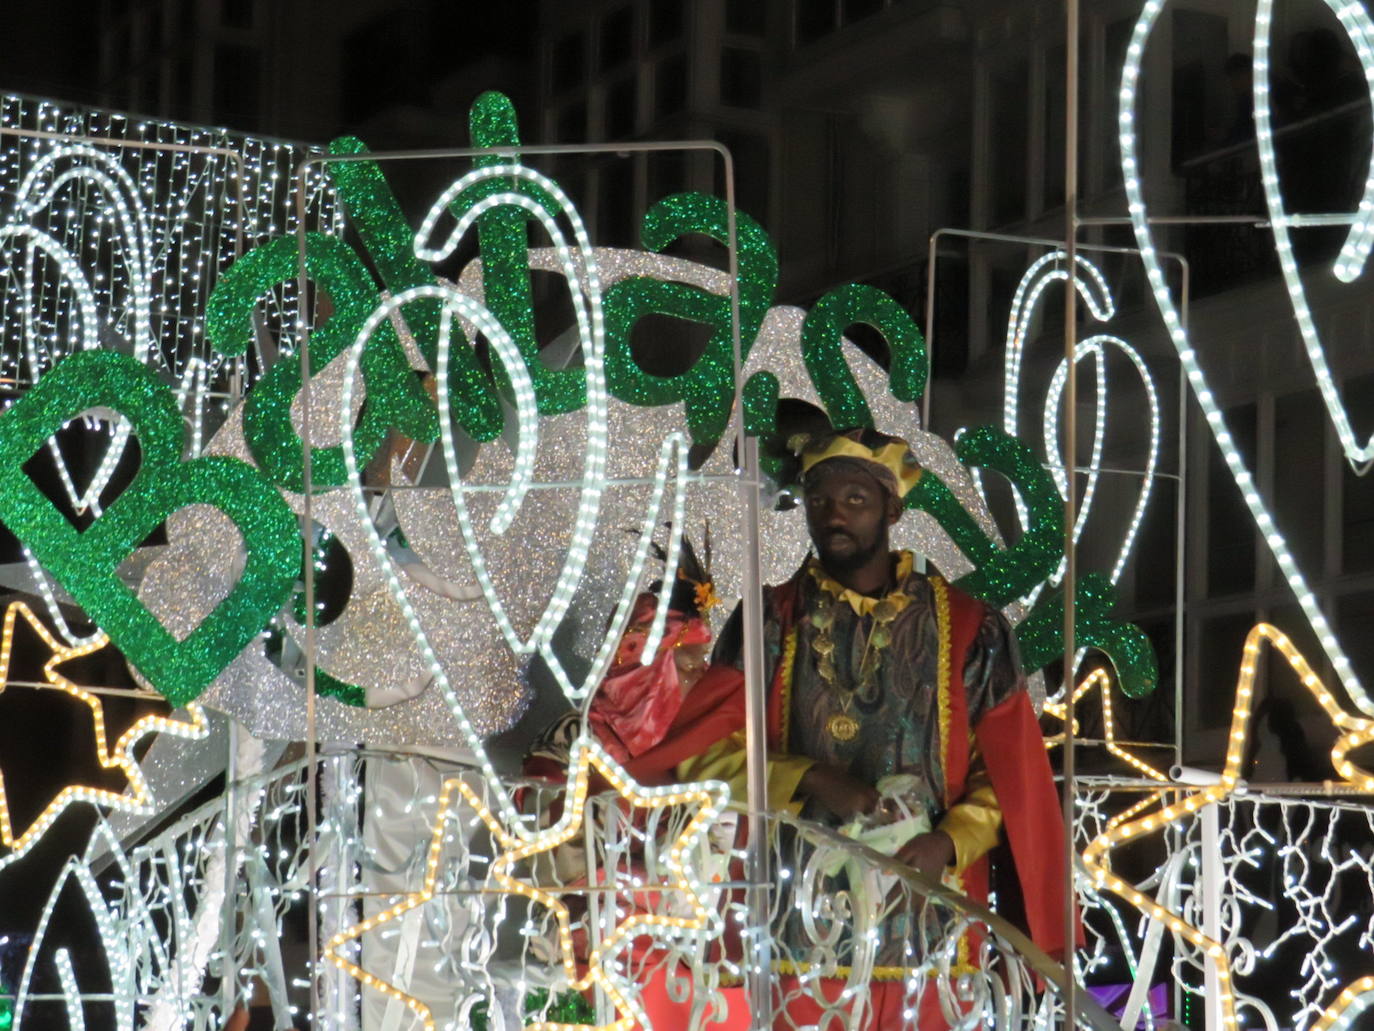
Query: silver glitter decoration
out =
(369, 643)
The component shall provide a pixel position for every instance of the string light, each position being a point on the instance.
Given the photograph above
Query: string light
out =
(1259, 511)
(1355, 250)
(137, 798)
(1100, 679)
(1131, 825)
(602, 969)
(582, 275)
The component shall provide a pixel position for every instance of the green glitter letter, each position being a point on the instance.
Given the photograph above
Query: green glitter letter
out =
(85, 563)
(708, 387)
(394, 396)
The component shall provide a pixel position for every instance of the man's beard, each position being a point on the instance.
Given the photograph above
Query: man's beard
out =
(849, 562)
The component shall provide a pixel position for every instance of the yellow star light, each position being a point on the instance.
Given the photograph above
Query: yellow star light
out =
(1357, 731)
(710, 797)
(1098, 678)
(137, 797)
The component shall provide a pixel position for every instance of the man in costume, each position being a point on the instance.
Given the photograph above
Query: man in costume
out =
(874, 669)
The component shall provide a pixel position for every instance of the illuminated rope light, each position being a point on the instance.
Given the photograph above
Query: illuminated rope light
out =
(592, 329)
(1100, 679)
(1355, 251)
(66, 976)
(137, 798)
(1130, 76)
(1358, 731)
(1041, 274)
(584, 282)
(115, 936)
(602, 972)
(1097, 347)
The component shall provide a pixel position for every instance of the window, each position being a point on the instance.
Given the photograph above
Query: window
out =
(746, 17)
(1052, 154)
(236, 85)
(620, 109)
(1230, 529)
(1009, 146)
(741, 77)
(812, 20)
(617, 214)
(183, 97)
(1117, 39)
(750, 153)
(667, 21)
(1357, 492)
(617, 38)
(237, 14)
(568, 63)
(1300, 469)
(667, 174)
(856, 10)
(1221, 642)
(670, 86)
(572, 123)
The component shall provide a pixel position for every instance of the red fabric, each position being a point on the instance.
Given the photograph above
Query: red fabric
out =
(636, 704)
(712, 710)
(666, 1015)
(1013, 749)
(784, 601)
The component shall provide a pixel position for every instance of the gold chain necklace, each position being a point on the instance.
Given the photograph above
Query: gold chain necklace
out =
(841, 725)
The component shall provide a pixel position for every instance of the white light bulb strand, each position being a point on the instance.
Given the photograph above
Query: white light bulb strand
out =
(1357, 246)
(1197, 380)
(470, 738)
(1043, 272)
(1097, 346)
(120, 194)
(584, 283)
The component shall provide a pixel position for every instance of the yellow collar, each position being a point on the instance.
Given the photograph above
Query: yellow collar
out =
(863, 604)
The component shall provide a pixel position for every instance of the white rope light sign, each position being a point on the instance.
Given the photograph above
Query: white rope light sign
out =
(1216, 421)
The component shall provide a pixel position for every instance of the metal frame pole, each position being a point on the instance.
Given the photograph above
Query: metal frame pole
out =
(1071, 36)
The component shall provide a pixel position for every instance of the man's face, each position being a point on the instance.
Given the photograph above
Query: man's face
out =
(848, 514)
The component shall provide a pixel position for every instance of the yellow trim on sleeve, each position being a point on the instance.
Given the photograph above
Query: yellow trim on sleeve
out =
(728, 760)
(943, 675)
(789, 659)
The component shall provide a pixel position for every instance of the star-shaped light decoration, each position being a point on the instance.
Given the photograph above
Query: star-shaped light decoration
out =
(1100, 679)
(137, 797)
(710, 798)
(1130, 826)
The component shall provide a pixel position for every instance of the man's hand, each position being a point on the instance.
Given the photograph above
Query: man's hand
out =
(929, 853)
(844, 796)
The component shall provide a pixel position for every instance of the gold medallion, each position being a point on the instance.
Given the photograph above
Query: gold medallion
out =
(842, 727)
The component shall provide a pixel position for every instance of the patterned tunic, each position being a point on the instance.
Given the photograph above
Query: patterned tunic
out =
(884, 654)
(882, 672)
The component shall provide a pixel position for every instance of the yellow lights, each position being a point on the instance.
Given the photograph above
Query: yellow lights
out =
(1098, 678)
(1129, 826)
(710, 799)
(1353, 1000)
(137, 797)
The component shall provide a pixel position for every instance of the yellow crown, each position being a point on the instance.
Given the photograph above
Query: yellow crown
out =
(899, 466)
